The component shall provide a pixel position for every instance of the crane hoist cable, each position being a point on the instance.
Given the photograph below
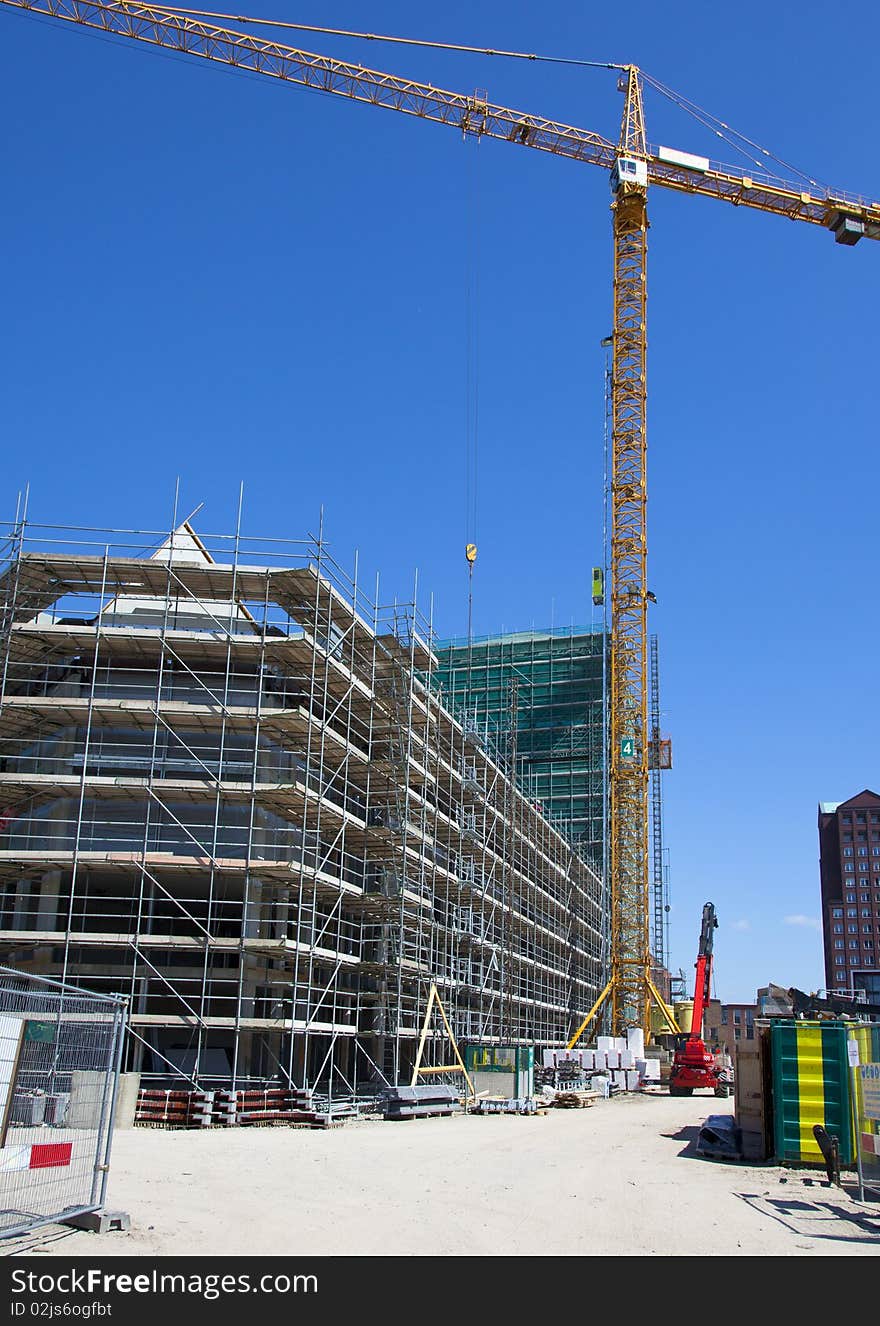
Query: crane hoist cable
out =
(472, 381)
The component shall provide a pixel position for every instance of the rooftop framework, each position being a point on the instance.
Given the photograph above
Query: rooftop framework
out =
(230, 789)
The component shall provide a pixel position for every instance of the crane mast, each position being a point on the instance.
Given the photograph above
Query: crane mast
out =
(633, 167)
(628, 695)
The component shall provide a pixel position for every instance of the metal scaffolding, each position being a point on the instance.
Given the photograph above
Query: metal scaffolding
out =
(230, 789)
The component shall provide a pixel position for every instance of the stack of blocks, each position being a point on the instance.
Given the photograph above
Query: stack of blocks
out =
(619, 1059)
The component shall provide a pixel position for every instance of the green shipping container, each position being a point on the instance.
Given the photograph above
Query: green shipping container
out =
(512, 1068)
(811, 1084)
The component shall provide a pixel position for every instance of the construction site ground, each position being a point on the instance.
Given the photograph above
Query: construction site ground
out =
(619, 1178)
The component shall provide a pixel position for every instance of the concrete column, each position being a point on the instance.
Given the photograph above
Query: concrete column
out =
(22, 919)
(47, 903)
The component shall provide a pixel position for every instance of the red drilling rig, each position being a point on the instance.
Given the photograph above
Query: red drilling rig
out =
(694, 1067)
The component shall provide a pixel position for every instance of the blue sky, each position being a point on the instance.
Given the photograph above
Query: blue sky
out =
(211, 276)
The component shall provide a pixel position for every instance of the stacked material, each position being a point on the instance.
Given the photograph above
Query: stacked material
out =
(556, 1058)
(626, 1079)
(565, 1068)
(618, 1060)
(506, 1105)
(174, 1109)
(271, 1106)
(572, 1075)
(33, 1109)
(562, 1063)
(292, 1107)
(572, 1100)
(412, 1102)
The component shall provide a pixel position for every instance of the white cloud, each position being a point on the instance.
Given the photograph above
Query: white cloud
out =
(740, 925)
(807, 922)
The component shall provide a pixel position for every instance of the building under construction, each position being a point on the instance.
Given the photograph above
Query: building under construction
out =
(230, 789)
(543, 693)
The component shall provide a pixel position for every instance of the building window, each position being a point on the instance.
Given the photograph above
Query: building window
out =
(840, 960)
(847, 851)
(853, 943)
(838, 929)
(852, 911)
(866, 911)
(847, 819)
(852, 929)
(863, 865)
(863, 851)
(850, 897)
(875, 851)
(848, 866)
(724, 1017)
(838, 943)
(860, 819)
(837, 911)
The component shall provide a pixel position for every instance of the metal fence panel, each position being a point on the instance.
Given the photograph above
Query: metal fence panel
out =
(59, 1070)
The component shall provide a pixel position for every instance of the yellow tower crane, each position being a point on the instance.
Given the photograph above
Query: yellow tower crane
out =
(633, 167)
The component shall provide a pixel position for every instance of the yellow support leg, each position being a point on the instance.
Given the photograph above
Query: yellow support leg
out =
(589, 1018)
(668, 1015)
(458, 1066)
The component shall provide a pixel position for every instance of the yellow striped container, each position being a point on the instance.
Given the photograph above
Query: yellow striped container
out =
(811, 1084)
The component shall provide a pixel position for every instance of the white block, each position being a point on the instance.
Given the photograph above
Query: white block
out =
(604, 1042)
(635, 1041)
(588, 1059)
(600, 1084)
(620, 1042)
(627, 1059)
(632, 1080)
(613, 1058)
(549, 1058)
(619, 1078)
(649, 1069)
(600, 1060)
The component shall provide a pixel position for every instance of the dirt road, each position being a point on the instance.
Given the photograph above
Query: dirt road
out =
(620, 1178)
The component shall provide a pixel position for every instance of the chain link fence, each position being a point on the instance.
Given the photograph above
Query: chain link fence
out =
(60, 1051)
